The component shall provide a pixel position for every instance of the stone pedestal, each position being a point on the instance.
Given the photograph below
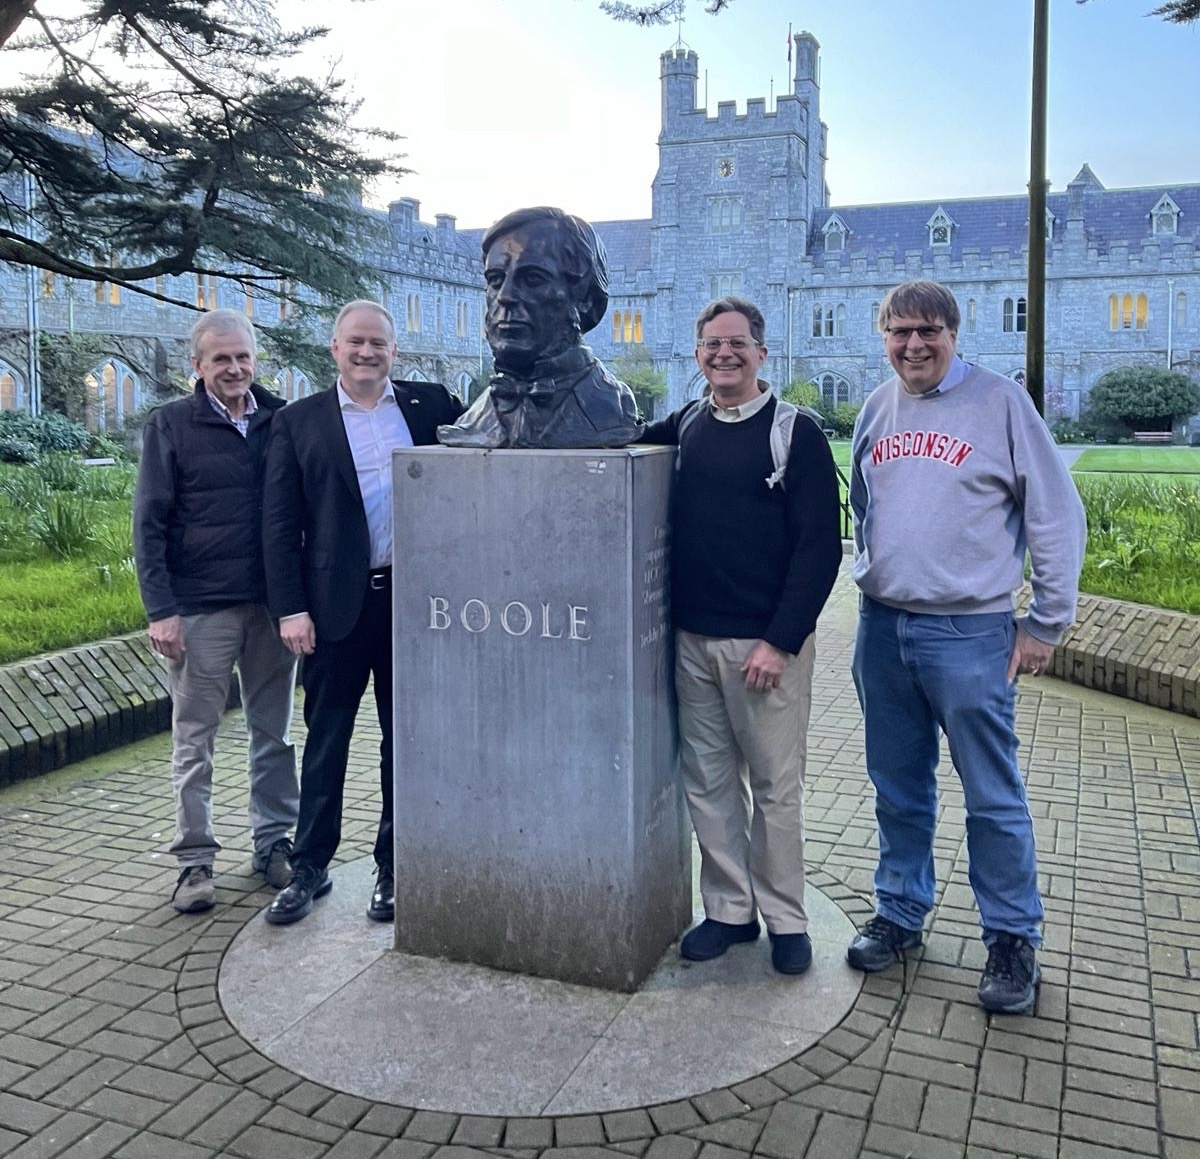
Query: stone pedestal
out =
(540, 826)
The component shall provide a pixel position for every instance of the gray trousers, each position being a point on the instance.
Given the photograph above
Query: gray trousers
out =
(215, 642)
(742, 756)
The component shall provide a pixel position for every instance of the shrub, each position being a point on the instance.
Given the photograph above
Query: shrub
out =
(25, 490)
(47, 432)
(17, 450)
(841, 418)
(1144, 397)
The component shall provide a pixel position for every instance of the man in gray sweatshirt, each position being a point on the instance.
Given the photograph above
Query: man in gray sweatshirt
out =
(954, 479)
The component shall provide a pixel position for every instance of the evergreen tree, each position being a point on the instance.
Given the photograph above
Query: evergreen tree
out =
(165, 138)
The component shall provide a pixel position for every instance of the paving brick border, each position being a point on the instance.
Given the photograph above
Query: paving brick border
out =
(66, 706)
(214, 1037)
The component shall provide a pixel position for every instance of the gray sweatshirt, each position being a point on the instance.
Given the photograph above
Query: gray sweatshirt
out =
(949, 491)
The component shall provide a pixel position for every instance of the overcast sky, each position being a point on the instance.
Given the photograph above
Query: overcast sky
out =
(505, 103)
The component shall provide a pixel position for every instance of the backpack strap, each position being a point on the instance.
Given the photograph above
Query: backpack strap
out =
(686, 421)
(781, 436)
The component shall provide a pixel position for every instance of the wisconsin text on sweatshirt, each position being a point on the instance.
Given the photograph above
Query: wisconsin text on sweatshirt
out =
(920, 445)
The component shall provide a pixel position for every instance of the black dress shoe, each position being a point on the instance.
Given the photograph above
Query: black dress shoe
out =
(294, 901)
(383, 899)
(711, 938)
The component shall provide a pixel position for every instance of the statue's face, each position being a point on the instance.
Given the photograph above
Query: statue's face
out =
(531, 311)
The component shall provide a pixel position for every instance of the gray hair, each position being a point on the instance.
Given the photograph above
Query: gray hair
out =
(928, 300)
(365, 304)
(222, 322)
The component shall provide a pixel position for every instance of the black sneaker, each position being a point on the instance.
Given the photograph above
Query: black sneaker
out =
(711, 938)
(1009, 982)
(275, 863)
(880, 943)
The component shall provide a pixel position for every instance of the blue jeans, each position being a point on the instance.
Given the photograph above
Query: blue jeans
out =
(916, 674)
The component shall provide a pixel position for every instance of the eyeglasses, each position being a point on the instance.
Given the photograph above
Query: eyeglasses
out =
(737, 344)
(904, 333)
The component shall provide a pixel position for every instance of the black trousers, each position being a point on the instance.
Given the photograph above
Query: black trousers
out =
(335, 678)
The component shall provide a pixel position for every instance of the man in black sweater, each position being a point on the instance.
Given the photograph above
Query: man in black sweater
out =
(755, 550)
(197, 539)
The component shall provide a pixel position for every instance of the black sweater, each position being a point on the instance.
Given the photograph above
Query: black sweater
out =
(748, 561)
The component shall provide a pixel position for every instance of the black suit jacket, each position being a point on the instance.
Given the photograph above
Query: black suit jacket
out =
(316, 545)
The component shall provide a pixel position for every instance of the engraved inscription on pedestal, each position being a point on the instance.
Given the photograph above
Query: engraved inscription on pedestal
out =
(539, 822)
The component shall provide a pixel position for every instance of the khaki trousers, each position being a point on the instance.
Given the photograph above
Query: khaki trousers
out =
(742, 755)
(215, 642)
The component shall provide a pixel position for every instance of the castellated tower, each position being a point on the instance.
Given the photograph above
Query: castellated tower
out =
(732, 202)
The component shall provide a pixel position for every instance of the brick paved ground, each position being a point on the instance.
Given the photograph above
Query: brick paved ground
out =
(112, 1042)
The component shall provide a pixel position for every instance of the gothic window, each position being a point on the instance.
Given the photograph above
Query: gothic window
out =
(627, 327)
(1128, 311)
(828, 321)
(8, 388)
(874, 317)
(412, 313)
(287, 290)
(292, 384)
(49, 284)
(110, 396)
(1180, 311)
(462, 320)
(1014, 316)
(722, 285)
(724, 214)
(835, 231)
(1164, 217)
(941, 228)
(834, 389)
(1049, 226)
(970, 316)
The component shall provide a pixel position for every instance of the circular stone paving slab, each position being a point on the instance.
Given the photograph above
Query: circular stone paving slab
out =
(331, 1000)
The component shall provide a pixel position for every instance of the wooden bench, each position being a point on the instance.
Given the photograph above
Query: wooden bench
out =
(1153, 437)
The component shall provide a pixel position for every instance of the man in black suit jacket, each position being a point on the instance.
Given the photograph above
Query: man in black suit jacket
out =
(327, 534)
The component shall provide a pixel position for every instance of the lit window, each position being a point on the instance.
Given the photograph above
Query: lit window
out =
(248, 306)
(616, 334)
(1142, 315)
(8, 390)
(49, 284)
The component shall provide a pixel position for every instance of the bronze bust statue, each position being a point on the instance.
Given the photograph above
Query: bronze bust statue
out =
(547, 286)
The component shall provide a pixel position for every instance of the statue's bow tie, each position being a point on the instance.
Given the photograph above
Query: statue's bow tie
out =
(508, 391)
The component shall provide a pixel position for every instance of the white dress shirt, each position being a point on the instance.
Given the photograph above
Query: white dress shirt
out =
(373, 435)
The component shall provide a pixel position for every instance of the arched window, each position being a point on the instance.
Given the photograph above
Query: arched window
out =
(840, 321)
(292, 384)
(412, 314)
(834, 388)
(874, 317)
(970, 315)
(1014, 316)
(462, 385)
(111, 394)
(1142, 315)
(1180, 310)
(10, 386)
(618, 325)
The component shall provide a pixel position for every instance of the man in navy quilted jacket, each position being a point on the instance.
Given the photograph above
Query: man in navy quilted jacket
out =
(197, 535)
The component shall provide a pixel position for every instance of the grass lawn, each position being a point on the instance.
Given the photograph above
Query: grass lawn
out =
(1141, 460)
